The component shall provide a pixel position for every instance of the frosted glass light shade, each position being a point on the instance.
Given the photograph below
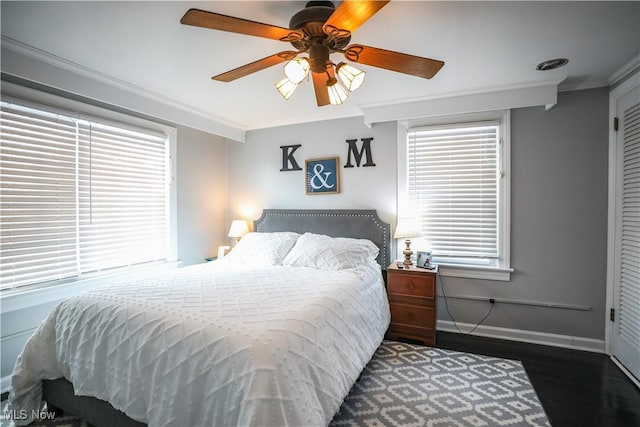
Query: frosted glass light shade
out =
(337, 93)
(238, 228)
(286, 87)
(351, 77)
(296, 70)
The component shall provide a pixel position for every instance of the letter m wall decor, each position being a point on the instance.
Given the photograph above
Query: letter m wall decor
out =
(323, 175)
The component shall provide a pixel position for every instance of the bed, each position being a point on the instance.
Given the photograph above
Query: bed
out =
(276, 333)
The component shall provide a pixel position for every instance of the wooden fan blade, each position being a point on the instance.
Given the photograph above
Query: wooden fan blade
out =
(320, 86)
(216, 21)
(394, 61)
(351, 14)
(258, 65)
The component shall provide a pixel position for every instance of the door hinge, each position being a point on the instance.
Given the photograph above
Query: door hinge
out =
(615, 124)
(612, 314)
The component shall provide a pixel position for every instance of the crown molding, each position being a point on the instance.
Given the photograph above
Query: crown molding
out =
(626, 70)
(192, 117)
(525, 95)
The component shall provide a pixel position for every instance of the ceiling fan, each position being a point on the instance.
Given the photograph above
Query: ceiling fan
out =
(318, 30)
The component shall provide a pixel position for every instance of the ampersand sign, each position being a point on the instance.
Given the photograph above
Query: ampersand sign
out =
(323, 176)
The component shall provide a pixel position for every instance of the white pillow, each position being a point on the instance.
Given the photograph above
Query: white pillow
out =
(330, 253)
(262, 248)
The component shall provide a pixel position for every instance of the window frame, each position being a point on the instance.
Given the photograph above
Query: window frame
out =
(84, 111)
(502, 271)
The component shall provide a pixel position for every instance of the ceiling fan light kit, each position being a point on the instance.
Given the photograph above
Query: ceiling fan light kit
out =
(318, 30)
(297, 70)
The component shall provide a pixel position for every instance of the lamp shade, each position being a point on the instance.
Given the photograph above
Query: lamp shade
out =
(337, 93)
(407, 227)
(350, 76)
(296, 70)
(238, 228)
(286, 87)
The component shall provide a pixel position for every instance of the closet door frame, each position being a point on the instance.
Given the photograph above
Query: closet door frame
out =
(615, 190)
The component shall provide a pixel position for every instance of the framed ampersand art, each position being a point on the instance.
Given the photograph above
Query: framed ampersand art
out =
(323, 175)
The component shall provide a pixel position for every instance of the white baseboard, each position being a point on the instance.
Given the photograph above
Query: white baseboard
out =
(555, 340)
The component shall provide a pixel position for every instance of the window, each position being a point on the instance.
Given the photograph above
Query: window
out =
(78, 195)
(456, 178)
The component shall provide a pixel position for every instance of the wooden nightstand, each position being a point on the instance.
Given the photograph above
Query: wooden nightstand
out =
(412, 297)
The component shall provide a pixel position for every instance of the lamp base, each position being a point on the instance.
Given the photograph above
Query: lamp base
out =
(407, 253)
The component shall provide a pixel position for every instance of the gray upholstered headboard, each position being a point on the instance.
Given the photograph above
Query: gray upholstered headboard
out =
(358, 224)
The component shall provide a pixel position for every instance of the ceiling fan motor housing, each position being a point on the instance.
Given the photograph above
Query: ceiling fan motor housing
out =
(318, 58)
(310, 21)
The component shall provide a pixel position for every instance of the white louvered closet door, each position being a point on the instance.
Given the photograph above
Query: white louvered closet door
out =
(626, 327)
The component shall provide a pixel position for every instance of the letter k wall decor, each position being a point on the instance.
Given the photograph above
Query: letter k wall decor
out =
(323, 175)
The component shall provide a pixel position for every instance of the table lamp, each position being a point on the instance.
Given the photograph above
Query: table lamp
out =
(406, 228)
(238, 229)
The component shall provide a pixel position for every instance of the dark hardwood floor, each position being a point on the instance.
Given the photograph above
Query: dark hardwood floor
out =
(576, 388)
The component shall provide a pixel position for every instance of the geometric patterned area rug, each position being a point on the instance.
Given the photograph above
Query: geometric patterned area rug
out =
(413, 385)
(408, 385)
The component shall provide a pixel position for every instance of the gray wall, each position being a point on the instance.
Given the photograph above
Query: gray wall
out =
(558, 210)
(558, 222)
(256, 182)
(201, 194)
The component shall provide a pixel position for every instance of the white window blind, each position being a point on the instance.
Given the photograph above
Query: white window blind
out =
(37, 196)
(453, 175)
(77, 196)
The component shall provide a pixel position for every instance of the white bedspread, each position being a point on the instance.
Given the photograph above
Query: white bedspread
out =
(213, 345)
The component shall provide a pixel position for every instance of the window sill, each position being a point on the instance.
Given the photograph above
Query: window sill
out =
(29, 296)
(475, 272)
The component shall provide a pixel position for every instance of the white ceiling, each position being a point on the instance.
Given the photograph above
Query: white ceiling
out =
(485, 46)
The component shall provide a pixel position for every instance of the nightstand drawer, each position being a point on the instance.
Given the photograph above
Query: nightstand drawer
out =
(411, 284)
(409, 315)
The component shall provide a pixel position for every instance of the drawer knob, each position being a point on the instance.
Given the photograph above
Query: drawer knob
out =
(411, 316)
(412, 286)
